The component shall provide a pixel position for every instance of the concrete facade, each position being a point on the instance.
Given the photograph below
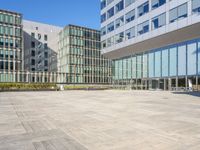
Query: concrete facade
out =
(40, 46)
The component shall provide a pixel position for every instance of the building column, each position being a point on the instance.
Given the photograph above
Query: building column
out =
(27, 78)
(18, 76)
(186, 83)
(176, 83)
(170, 84)
(197, 83)
(164, 84)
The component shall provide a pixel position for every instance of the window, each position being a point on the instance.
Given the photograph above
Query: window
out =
(103, 31)
(46, 54)
(39, 36)
(103, 44)
(1, 41)
(119, 22)
(1, 65)
(110, 27)
(119, 37)
(129, 2)
(103, 4)
(178, 13)
(11, 43)
(103, 17)
(110, 12)
(11, 31)
(33, 35)
(196, 6)
(11, 54)
(17, 43)
(17, 20)
(159, 21)
(143, 28)
(130, 16)
(10, 19)
(119, 6)
(1, 17)
(130, 33)
(1, 30)
(17, 32)
(32, 44)
(157, 3)
(6, 42)
(32, 62)
(6, 18)
(6, 65)
(1, 53)
(143, 9)
(110, 41)
(109, 1)
(45, 37)
(33, 53)
(45, 46)
(6, 54)
(46, 63)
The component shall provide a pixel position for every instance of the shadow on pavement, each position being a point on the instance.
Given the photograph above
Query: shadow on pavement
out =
(197, 94)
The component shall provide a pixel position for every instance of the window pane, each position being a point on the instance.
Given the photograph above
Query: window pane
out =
(110, 12)
(134, 67)
(159, 21)
(139, 66)
(119, 22)
(165, 66)
(143, 9)
(129, 2)
(119, 6)
(130, 16)
(198, 57)
(173, 14)
(192, 58)
(158, 64)
(182, 11)
(110, 27)
(182, 60)
(173, 61)
(130, 33)
(151, 64)
(196, 5)
(145, 56)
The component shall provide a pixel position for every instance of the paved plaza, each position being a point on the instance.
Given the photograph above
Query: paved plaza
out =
(99, 120)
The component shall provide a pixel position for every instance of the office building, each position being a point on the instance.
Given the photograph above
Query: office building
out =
(40, 46)
(11, 54)
(155, 44)
(80, 56)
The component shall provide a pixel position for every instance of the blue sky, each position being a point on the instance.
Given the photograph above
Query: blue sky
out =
(57, 12)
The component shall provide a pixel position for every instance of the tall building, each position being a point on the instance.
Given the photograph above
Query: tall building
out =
(40, 46)
(80, 56)
(153, 43)
(11, 47)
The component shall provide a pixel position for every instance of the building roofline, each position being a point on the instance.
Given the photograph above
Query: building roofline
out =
(37, 22)
(72, 25)
(12, 12)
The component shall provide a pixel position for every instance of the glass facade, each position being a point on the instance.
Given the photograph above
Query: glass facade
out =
(80, 56)
(172, 62)
(10, 44)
